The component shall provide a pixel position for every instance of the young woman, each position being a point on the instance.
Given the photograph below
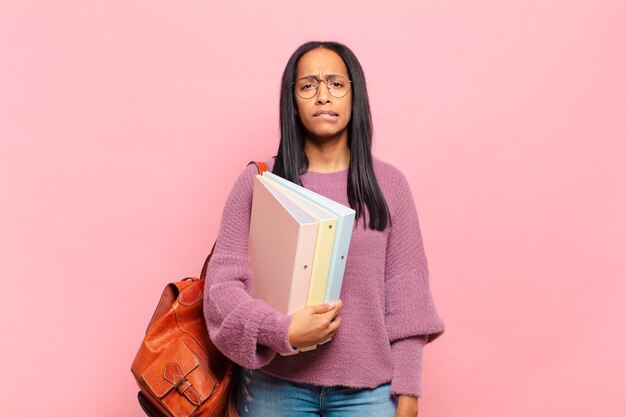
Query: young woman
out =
(372, 365)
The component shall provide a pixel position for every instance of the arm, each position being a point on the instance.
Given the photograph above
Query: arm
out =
(410, 314)
(246, 330)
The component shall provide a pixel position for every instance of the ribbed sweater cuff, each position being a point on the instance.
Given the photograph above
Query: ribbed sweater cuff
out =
(406, 356)
(274, 333)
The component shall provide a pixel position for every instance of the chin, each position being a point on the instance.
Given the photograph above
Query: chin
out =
(324, 136)
(327, 133)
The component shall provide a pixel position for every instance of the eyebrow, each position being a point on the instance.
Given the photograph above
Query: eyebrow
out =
(327, 76)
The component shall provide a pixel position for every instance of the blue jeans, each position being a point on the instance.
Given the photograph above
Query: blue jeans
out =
(263, 395)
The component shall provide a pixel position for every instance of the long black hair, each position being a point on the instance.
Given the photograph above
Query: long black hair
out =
(291, 160)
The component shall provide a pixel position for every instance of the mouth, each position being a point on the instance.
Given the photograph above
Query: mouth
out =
(326, 114)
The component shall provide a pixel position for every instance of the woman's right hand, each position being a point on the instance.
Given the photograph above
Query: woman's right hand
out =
(314, 324)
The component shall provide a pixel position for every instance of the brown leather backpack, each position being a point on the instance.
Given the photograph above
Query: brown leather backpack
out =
(179, 370)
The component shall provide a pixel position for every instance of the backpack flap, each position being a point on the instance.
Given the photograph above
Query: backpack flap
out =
(178, 379)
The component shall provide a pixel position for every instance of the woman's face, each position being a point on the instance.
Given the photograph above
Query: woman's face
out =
(323, 116)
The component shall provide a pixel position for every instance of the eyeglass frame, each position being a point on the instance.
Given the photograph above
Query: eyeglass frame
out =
(318, 86)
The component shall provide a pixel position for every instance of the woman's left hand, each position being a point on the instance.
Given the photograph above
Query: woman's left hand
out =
(407, 406)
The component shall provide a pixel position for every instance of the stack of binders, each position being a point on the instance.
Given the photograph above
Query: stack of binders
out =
(298, 245)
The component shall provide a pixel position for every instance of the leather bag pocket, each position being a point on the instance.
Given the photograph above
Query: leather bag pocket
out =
(178, 379)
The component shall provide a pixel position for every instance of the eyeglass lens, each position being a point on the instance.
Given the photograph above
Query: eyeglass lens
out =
(338, 86)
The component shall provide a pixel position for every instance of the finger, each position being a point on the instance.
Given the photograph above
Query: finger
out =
(320, 308)
(334, 326)
(330, 315)
(330, 331)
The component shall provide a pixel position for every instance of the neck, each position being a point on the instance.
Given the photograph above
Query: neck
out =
(327, 155)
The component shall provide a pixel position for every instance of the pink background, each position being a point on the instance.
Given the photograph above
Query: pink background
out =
(123, 125)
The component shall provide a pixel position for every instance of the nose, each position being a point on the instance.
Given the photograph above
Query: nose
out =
(323, 95)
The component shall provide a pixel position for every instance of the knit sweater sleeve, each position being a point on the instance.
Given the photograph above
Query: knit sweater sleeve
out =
(246, 330)
(410, 314)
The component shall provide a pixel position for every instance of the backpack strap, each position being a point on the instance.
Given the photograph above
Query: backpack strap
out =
(262, 167)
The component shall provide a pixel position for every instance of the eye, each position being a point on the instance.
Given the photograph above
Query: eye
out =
(306, 84)
(336, 84)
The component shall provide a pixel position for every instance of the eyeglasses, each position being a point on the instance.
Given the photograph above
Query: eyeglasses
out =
(306, 87)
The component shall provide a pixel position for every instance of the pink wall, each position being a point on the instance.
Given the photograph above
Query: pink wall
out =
(123, 126)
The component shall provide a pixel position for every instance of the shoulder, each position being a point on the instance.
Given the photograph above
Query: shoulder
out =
(395, 188)
(391, 179)
(387, 172)
(246, 176)
(244, 183)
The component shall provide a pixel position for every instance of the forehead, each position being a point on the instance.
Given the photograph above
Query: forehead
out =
(319, 62)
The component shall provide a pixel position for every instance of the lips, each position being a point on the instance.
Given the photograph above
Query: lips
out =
(325, 112)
